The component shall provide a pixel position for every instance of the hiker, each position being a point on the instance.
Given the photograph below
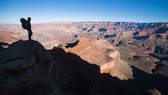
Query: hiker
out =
(26, 25)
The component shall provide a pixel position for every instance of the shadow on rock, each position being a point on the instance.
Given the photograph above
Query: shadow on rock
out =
(26, 68)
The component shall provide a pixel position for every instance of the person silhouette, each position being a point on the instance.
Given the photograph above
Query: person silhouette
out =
(27, 25)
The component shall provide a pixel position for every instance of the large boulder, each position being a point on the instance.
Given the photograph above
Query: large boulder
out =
(23, 65)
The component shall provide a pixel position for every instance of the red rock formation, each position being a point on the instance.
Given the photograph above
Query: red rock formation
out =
(103, 54)
(8, 37)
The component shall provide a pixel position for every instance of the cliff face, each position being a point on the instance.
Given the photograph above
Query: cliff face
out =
(103, 54)
(26, 68)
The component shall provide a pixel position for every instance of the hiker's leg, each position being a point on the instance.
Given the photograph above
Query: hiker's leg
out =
(30, 33)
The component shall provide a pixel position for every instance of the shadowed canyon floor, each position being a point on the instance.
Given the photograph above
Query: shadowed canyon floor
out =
(101, 58)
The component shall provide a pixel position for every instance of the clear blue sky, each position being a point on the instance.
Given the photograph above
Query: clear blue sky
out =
(84, 10)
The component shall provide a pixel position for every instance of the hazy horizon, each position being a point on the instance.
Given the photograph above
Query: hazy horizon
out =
(46, 11)
(80, 22)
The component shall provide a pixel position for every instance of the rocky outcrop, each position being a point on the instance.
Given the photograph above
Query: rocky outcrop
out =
(26, 68)
(22, 66)
(116, 61)
(103, 54)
